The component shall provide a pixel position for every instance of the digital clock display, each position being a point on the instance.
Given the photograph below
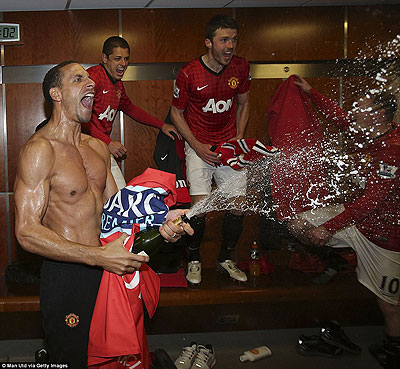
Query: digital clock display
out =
(9, 32)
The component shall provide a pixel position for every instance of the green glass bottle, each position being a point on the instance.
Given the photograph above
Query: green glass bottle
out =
(149, 241)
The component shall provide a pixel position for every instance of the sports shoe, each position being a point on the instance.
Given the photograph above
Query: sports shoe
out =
(194, 272)
(334, 334)
(186, 357)
(388, 353)
(324, 277)
(316, 346)
(205, 358)
(229, 267)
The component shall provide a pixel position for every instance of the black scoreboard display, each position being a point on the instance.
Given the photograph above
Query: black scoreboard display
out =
(10, 32)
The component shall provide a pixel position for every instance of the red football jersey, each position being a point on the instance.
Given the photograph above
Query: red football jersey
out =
(110, 96)
(209, 98)
(376, 211)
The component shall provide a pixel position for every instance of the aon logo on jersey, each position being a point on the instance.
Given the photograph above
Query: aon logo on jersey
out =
(217, 107)
(109, 114)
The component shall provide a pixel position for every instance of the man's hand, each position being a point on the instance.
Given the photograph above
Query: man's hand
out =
(204, 153)
(173, 232)
(303, 84)
(117, 149)
(168, 129)
(320, 236)
(116, 259)
(301, 229)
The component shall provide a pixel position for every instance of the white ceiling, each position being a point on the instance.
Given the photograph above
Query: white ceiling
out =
(32, 5)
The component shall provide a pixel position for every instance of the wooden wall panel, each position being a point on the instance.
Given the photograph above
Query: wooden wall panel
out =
(177, 35)
(306, 33)
(154, 97)
(263, 90)
(3, 234)
(2, 148)
(26, 108)
(166, 35)
(261, 93)
(370, 28)
(54, 36)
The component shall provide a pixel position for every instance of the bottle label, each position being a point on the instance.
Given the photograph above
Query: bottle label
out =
(254, 351)
(142, 253)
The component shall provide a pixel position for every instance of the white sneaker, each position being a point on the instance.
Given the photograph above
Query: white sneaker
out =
(186, 357)
(194, 272)
(228, 266)
(205, 358)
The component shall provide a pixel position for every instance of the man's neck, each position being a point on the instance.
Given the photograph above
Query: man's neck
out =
(211, 63)
(64, 129)
(108, 74)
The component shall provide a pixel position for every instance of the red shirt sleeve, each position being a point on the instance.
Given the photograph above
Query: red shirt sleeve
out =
(181, 91)
(330, 109)
(377, 189)
(244, 87)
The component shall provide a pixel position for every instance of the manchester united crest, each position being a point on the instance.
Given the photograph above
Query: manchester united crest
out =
(119, 94)
(71, 320)
(233, 82)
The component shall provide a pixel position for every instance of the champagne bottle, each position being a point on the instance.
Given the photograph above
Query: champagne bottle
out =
(149, 241)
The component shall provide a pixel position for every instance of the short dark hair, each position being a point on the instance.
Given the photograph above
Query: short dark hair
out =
(388, 102)
(53, 78)
(220, 21)
(112, 42)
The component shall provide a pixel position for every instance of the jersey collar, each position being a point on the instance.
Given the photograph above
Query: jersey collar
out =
(113, 81)
(210, 70)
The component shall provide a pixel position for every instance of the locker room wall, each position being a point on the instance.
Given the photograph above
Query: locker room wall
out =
(267, 35)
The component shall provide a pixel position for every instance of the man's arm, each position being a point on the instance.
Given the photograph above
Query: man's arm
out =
(145, 118)
(376, 191)
(328, 108)
(31, 189)
(202, 150)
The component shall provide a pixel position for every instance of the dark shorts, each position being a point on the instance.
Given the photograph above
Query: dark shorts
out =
(67, 298)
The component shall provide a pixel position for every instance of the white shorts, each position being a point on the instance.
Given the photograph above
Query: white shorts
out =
(378, 269)
(199, 175)
(117, 174)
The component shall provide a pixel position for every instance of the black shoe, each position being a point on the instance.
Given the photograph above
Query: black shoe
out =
(315, 346)
(324, 277)
(333, 334)
(388, 354)
(161, 360)
(41, 356)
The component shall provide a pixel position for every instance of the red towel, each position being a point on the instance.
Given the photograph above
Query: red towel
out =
(177, 279)
(298, 179)
(117, 337)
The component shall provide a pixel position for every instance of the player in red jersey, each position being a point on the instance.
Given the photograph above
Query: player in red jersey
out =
(211, 106)
(370, 223)
(110, 97)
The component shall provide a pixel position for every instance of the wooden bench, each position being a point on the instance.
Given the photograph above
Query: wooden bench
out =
(283, 299)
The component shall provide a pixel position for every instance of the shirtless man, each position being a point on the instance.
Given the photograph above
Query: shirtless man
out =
(62, 182)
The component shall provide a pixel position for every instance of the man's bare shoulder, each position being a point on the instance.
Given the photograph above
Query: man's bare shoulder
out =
(37, 146)
(36, 158)
(99, 146)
